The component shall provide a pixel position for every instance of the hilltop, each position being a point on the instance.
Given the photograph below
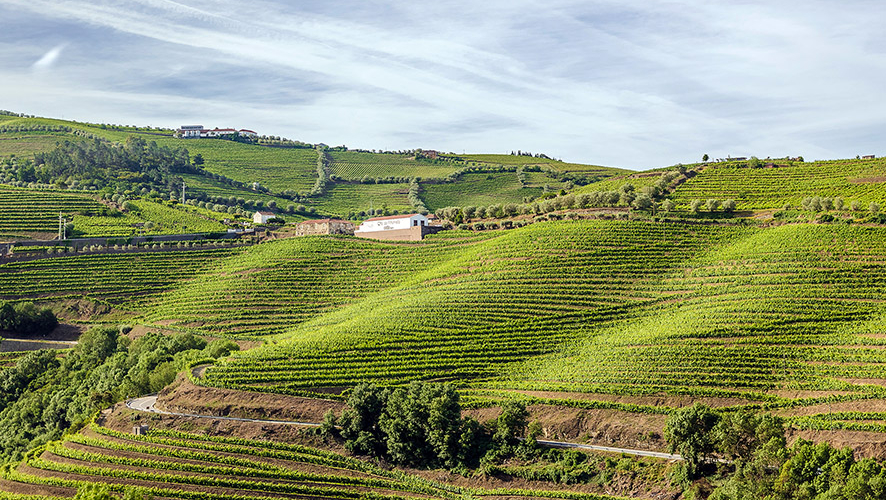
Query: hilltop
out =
(603, 301)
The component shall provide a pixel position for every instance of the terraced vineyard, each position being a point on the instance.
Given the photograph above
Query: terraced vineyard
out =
(355, 165)
(174, 464)
(25, 211)
(624, 308)
(296, 279)
(27, 143)
(171, 464)
(124, 280)
(343, 198)
(590, 170)
(479, 190)
(167, 220)
(763, 188)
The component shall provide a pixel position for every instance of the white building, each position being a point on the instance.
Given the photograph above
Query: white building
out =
(392, 222)
(263, 217)
(190, 131)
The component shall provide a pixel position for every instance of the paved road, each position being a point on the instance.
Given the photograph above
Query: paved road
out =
(147, 404)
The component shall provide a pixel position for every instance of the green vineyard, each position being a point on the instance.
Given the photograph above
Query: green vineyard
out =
(355, 165)
(861, 181)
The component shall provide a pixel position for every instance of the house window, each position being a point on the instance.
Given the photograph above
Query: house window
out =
(415, 223)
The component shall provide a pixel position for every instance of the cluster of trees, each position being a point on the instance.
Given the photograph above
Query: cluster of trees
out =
(44, 394)
(136, 164)
(826, 204)
(414, 199)
(420, 425)
(25, 317)
(323, 173)
(738, 455)
(711, 205)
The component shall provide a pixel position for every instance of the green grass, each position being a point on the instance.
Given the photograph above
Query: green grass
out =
(340, 199)
(771, 188)
(212, 187)
(613, 307)
(589, 170)
(24, 211)
(355, 165)
(25, 144)
(166, 219)
(480, 190)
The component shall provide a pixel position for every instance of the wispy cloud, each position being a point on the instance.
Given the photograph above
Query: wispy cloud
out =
(49, 58)
(606, 81)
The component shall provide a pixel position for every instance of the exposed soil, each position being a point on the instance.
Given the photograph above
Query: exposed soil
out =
(864, 405)
(36, 489)
(865, 444)
(184, 397)
(868, 180)
(599, 427)
(652, 400)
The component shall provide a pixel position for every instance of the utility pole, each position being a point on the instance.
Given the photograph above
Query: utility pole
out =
(183, 193)
(61, 227)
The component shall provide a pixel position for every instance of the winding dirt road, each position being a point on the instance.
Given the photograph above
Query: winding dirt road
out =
(148, 404)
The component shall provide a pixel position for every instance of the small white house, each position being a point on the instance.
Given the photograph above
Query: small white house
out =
(392, 222)
(263, 217)
(190, 131)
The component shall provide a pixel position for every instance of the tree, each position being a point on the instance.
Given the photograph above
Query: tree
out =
(643, 202)
(712, 204)
(754, 162)
(704, 157)
(729, 206)
(667, 205)
(874, 207)
(360, 423)
(838, 203)
(198, 159)
(511, 423)
(695, 205)
(688, 432)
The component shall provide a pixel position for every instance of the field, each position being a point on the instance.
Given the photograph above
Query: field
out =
(480, 190)
(28, 143)
(343, 198)
(589, 170)
(167, 220)
(28, 211)
(773, 188)
(212, 187)
(355, 165)
(578, 307)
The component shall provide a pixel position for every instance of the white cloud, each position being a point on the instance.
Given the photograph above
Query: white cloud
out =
(628, 84)
(49, 58)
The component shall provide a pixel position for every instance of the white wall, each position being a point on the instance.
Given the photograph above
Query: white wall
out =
(391, 224)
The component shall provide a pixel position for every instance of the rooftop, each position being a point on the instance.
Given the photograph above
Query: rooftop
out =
(391, 217)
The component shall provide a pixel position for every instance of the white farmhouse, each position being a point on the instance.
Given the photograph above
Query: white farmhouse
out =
(262, 217)
(392, 223)
(190, 131)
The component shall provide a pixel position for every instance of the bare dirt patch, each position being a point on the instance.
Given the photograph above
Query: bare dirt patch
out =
(865, 405)
(651, 400)
(599, 427)
(184, 397)
(864, 444)
(868, 180)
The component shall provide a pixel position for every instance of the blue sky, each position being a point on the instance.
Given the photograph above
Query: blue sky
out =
(630, 84)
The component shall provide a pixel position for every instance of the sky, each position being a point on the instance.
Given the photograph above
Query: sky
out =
(633, 84)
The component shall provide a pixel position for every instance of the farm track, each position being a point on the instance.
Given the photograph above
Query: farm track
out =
(147, 404)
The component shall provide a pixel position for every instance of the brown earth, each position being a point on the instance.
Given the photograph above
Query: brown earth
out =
(182, 396)
(864, 444)
(599, 427)
(651, 400)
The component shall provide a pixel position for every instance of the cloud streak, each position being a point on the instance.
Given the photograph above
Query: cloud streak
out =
(600, 82)
(49, 58)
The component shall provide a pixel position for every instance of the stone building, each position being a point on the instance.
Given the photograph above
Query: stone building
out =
(324, 226)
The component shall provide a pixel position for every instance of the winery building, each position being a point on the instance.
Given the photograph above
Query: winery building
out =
(324, 226)
(407, 227)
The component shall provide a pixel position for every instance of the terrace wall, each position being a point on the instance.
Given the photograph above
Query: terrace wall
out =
(415, 233)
